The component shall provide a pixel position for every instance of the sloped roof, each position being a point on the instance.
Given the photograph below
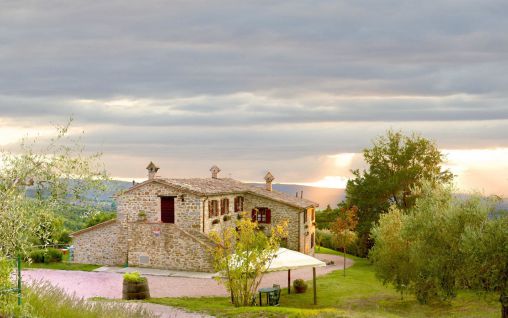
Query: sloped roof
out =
(221, 186)
(93, 227)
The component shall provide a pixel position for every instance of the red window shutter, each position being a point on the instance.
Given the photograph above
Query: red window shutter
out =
(210, 209)
(268, 216)
(253, 214)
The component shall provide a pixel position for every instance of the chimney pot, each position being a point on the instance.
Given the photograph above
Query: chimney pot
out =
(152, 170)
(269, 178)
(215, 171)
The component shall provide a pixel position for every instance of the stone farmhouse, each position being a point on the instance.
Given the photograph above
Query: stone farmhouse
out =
(164, 223)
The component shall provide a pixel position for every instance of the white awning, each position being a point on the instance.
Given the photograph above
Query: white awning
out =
(288, 259)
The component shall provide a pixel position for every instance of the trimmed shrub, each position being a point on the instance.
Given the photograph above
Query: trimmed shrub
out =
(300, 286)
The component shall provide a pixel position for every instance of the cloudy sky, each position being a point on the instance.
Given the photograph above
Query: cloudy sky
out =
(296, 87)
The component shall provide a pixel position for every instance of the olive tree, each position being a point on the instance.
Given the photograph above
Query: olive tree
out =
(420, 250)
(242, 253)
(485, 250)
(41, 177)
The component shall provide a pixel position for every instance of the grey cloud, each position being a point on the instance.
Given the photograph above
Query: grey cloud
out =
(159, 49)
(237, 80)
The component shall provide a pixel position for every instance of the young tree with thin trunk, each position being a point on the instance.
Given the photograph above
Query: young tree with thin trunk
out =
(343, 229)
(242, 253)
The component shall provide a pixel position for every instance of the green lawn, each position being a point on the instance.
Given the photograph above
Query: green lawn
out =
(359, 294)
(62, 266)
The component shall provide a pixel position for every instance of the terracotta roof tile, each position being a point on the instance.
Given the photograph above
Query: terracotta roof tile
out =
(218, 186)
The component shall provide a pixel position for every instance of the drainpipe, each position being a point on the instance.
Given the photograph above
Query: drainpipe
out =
(206, 199)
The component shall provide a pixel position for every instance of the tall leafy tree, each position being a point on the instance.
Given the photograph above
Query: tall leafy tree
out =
(397, 164)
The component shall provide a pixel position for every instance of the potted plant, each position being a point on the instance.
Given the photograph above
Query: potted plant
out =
(135, 286)
(141, 215)
(216, 221)
(300, 286)
(226, 217)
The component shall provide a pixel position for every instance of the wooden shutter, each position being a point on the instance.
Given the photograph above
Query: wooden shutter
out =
(253, 214)
(168, 210)
(268, 216)
(210, 211)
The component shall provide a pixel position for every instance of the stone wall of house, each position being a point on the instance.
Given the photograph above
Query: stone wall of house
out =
(308, 232)
(210, 225)
(188, 207)
(104, 245)
(279, 213)
(163, 245)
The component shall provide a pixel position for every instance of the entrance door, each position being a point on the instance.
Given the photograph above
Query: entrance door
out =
(168, 209)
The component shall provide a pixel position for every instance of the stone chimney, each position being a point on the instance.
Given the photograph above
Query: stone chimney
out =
(215, 171)
(152, 170)
(269, 178)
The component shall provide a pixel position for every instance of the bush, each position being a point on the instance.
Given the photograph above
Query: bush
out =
(53, 255)
(134, 277)
(226, 217)
(50, 255)
(324, 238)
(37, 256)
(300, 286)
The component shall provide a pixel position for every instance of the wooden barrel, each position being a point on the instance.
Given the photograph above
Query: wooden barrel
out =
(135, 290)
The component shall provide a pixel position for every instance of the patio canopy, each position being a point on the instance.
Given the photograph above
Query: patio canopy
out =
(288, 259)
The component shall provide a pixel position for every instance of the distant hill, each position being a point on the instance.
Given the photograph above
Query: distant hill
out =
(322, 196)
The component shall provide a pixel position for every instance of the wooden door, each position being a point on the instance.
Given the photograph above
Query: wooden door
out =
(168, 209)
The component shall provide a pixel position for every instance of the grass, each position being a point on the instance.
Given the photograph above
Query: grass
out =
(359, 294)
(46, 301)
(62, 266)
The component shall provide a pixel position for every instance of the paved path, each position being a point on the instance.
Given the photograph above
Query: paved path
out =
(109, 285)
